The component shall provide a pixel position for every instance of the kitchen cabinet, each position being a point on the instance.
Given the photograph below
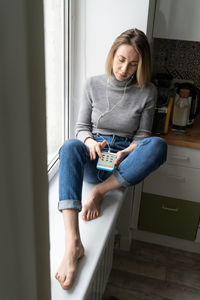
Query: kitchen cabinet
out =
(177, 19)
(169, 216)
(174, 179)
(170, 202)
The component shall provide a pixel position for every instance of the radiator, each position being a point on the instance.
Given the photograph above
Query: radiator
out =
(101, 275)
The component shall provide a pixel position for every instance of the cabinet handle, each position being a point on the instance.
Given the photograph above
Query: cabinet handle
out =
(183, 158)
(178, 178)
(170, 209)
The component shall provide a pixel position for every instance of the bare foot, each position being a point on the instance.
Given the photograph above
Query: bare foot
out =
(67, 269)
(91, 209)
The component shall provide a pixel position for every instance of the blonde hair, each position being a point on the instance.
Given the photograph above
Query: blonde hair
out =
(138, 40)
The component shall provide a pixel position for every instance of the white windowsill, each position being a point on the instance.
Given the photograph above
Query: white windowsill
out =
(94, 235)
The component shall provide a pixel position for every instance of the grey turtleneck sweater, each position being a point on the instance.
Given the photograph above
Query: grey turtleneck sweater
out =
(110, 106)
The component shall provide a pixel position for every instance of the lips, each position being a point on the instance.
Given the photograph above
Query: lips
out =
(122, 76)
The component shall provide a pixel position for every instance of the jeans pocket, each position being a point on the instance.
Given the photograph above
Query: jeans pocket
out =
(120, 145)
(97, 138)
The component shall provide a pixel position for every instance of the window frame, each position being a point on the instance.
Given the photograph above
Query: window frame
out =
(53, 166)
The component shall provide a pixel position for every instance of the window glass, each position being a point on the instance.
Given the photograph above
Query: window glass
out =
(54, 68)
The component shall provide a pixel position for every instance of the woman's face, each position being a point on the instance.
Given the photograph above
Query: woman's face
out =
(125, 62)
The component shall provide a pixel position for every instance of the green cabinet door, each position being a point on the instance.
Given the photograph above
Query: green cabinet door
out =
(169, 216)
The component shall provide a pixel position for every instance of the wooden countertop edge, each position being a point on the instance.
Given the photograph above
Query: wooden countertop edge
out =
(189, 140)
(182, 143)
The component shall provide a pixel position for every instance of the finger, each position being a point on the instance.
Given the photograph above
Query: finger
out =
(117, 162)
(92, 155)
(98, 150)
(119, 155)
(103, 144)
(118, 158)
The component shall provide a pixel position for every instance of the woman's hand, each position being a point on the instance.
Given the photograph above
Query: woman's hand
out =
(122, 154)
(95, 147)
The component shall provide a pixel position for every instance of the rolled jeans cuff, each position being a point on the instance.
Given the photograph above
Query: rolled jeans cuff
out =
(69, 204)
(120, 179)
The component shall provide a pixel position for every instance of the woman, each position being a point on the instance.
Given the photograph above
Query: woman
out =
(116, 114)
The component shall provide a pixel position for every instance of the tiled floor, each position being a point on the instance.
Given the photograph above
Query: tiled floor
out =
(153, 272)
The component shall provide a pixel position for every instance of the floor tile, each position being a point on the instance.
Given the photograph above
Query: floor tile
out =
(153, 272)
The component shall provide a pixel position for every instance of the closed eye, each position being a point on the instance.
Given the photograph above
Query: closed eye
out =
(121, 59)
(131, 64)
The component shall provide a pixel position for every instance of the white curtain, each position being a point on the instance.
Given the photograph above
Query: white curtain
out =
(24, 232)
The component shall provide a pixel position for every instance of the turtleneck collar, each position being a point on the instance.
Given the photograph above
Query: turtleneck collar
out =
(122, 83)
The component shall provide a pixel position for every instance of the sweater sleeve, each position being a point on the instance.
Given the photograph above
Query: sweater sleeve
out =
(83, 124)
(146, 120)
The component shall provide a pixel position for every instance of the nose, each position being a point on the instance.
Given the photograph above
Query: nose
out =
(124, 67)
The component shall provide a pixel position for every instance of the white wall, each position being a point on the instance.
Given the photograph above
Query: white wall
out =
(105, 20)
(96, 24)
(24, 250)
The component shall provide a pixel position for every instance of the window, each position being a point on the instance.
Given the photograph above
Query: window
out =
(56, 70)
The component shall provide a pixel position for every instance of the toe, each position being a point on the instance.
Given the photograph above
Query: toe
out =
(88, 216)
(66, 284)
(94, 215)
(62, 278)
(68, 280)
(84, 214)
(58, 277)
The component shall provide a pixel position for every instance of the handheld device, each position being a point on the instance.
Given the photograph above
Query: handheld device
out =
(107, 163)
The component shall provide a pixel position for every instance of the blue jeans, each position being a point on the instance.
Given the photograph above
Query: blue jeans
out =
(76, 166)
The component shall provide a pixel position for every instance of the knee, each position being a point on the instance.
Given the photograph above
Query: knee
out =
(159, 147)
(71, 146)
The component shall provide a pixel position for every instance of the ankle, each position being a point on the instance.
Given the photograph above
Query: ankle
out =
(98, 190)
(72, 238)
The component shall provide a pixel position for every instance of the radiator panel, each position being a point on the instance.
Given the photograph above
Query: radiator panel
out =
(100, 278)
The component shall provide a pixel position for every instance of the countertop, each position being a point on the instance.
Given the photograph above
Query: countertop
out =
(189, 139)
